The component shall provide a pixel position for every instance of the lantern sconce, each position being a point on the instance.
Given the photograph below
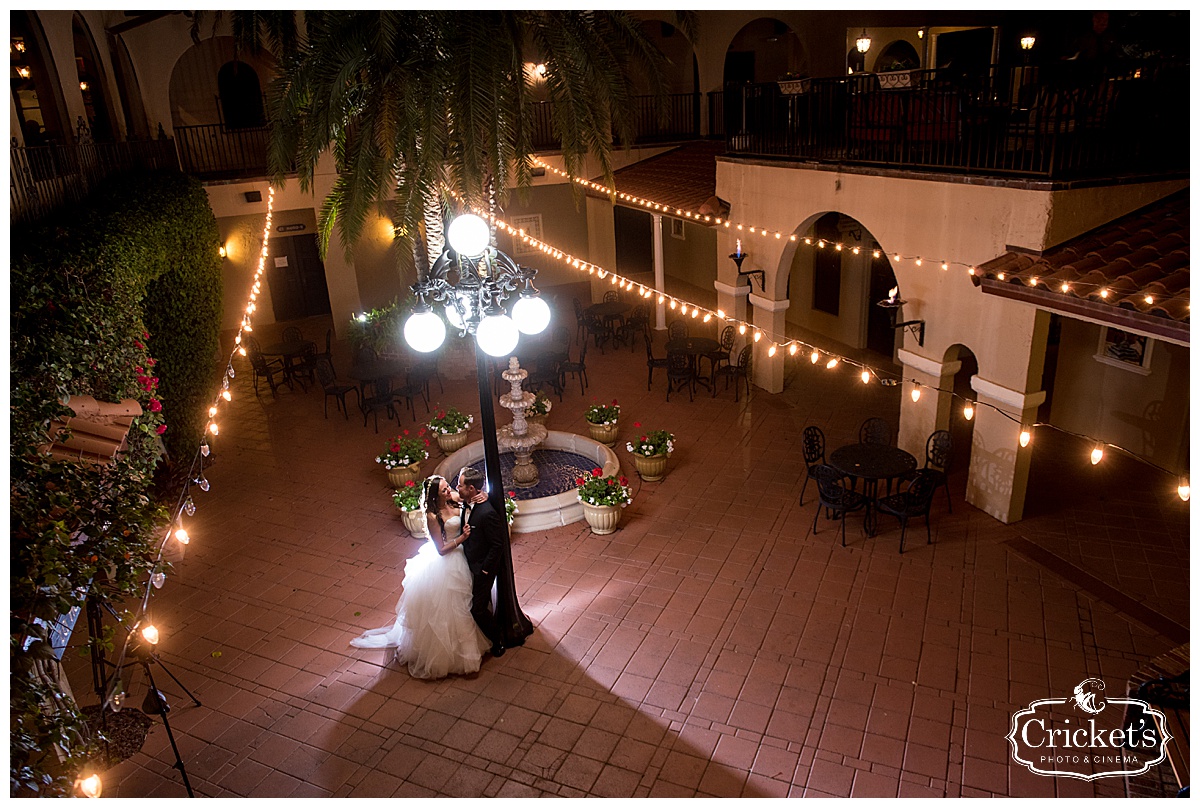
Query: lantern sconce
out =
(893, 303)
(863, 43)
(738, 256)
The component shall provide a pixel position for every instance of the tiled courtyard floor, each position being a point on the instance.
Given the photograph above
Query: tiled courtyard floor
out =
(713, 646)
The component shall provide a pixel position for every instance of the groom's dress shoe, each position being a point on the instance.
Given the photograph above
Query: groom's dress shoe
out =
(497, 650)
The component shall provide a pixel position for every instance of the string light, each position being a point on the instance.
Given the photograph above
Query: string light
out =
(757, 336)
(793, 348)
(814, 357)
(771, 350)
(916, 393)
(831, 364)
(968, 412)
(1097, 454)
(182, 536)
(1024, 439)
(1185, 489)
(866, 376)
(91, 786)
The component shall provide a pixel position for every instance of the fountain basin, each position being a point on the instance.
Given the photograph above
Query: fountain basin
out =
(555, 510)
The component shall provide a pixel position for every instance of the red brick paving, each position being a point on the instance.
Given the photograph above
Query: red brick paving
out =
(712, 646)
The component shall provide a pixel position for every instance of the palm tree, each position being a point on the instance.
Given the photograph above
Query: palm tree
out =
(419, 105)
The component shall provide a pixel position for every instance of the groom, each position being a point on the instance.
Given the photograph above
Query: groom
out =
(484, 548)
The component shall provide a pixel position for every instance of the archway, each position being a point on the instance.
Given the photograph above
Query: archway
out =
(897, 55)
(241, 95)
(128, 90)
(681, 80)
(195, 88)
(763, 50)
(36, 90)
(93, 83)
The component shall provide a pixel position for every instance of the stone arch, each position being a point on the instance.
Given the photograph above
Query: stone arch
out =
(41, 112)
(194, 88)
(898, 54)
(849, 282)
(93, 82)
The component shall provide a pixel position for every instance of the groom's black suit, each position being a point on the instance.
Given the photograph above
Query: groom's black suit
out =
(484, 549)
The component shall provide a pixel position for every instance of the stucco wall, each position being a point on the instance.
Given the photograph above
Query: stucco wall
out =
(564, 225)
(1147, 414)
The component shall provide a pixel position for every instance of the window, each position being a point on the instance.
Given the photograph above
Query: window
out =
(532, 225)
(677, 229)
(1124, 350)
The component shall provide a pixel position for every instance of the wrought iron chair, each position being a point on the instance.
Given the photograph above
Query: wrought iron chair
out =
(292, 334)
(546, 372)
(739, 372)
(939, 451)
(837, 500)
(414, 387)
(637, 322)
(912, 502)
(680, 372)
(574, 368)
(580, 329)
(380, 399)
(814, 454)
(652, 361)
(328, 379)
(265, 368)
(329, 350)
(677, 329)
(595, 327)
(725, 355)
(611, 296)
(305, 366)
(876, 431)
(422, 371)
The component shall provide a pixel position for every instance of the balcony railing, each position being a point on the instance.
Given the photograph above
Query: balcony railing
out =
(1060, 121)
(215, 151)
(681, 121)
(46, 178)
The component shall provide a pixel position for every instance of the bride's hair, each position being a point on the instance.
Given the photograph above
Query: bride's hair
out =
(432, 498)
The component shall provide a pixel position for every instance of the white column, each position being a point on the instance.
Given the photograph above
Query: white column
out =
(769, 318)
(660, 277)
(999, 465)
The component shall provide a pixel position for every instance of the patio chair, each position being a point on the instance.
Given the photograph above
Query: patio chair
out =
(739, 372)
(580, 330)
(422, 371)
(814, 454)
(680, 372)
(265, 368)
(652, 361)
(677, 329)
(837, 500)
(380, 399)
(329, 350)
(414, 387)
(328, 379)
(546, 372)
(595, 327)
(912, 502)
(725, 355)
(305, 366)
(292, 334)
(611, 296)
(875, 430)
(574, 368)
(939, 449)
(637, 322)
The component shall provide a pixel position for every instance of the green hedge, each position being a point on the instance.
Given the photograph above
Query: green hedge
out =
(117, 298)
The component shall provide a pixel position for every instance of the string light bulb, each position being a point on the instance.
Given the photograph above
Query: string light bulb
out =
(1024, 439)
(213, 428)
(225, 394)
(212, 411)
(968, 412)
(742, 328)
(866, 376)
(150, 634)
(793, 349)
(831, 364)
(1185, 489)
(814, 357)
(1097, 454)
(771, 350)
(916, 393)
(757, 336)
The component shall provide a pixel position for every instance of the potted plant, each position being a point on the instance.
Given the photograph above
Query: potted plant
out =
(539, 410)
(650, 452)
(602, 422)
(602, 499)
(403, 457)
(408, 499)
(510, 507)
(450, 426)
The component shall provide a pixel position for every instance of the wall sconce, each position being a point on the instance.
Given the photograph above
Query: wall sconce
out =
(221, 251)
(23, 72)
(738, 257)
(1027, 42)
(84, 86)
(863, 43)
(893, 303)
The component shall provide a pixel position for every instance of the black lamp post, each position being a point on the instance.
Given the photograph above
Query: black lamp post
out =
(472, 280)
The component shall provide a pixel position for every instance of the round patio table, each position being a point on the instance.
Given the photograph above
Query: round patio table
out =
(872, 462)
(694, 347)
(289, 352)
(366, 373)
(611, 312)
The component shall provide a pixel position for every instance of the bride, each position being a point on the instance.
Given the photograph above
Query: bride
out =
(434, 632)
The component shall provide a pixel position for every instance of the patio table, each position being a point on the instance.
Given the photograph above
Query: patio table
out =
(871, 462)
(695, 347)
(367, 373)
(289, 352)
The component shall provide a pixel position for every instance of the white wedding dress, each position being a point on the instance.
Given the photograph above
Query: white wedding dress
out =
(434, 633)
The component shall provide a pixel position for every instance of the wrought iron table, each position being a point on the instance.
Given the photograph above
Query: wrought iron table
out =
(872, 462)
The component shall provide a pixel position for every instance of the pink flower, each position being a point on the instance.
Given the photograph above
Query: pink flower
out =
(161, 428)
(139, 345)
(155, 405)
(145, 335)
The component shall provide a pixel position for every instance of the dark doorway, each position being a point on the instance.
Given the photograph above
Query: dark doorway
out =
(241, 96)
(965, 52)
(881, 336)
(1050, 365)
(962, 428)
(739, 67)
(297, 278)
(634, 231)
(827, 266)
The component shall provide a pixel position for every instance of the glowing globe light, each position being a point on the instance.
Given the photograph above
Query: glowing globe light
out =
(469, 235)
(150, 634)
(91, 786)
(424, 331)
(497, 334)
(531, 314)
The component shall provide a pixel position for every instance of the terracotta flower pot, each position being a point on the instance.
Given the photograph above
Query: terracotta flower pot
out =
(651, 468)
(603, 519)
(603, 433)
(452, 443)
(402, 474)
(416, 524)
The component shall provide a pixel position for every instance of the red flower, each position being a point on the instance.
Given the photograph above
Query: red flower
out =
(512, 493)
(579, 481)
(638, 423)
(145, 335)
(441, 414)
(614, 401)
(151, 363)
(139, 345)
(406, 432)
(395, 447)
(155, 405)
(643, 438)
(409, 484)
(624, 480)
(138, 371)
(161, 429)
(596, 472)
(427, 441)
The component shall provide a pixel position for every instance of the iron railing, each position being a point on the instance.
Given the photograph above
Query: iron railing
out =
(1059, 121)
(215, 151)
(679, 120)
(47, 178)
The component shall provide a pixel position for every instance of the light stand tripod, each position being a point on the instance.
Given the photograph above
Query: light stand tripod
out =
(142, 654)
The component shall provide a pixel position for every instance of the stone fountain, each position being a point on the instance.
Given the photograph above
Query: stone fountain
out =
(521, 437)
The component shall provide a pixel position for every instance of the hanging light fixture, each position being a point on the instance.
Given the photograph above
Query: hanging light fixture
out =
(863, 43)
(1185, 489)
